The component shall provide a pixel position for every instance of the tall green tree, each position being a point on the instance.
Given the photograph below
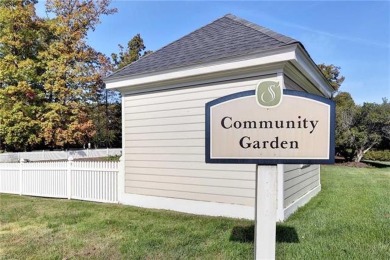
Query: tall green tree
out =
(386, 128)
(332, 74)
(367, 132)
(106, 112)
(135, 50)
(21, 90)
(346, 111)
(107, 119)
(359, 128)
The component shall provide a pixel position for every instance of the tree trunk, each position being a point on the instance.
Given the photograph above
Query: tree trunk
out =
(359, 155)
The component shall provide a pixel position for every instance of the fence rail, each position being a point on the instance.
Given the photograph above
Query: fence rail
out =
(92, 181)
(59, 155)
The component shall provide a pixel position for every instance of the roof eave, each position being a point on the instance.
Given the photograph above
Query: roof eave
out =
(254, 60)
(265, 60)
(307, 66)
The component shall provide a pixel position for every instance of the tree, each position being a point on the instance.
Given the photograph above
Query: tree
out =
(368, 129)
(48, 73)
(72, 70)
(332, 74)
(359, 128)
(386, 127)
(134, 51)
(21, 90)
(106, 112)
(106, 115)
(345, 119)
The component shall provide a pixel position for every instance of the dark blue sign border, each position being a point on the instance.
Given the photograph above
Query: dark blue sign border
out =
(273, 161)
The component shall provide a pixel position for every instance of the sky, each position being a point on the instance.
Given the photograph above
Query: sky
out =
(354, 35)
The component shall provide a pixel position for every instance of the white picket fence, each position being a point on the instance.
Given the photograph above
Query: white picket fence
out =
(91, 181)
(59, 155)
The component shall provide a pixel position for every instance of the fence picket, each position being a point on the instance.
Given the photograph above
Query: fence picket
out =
(58, 155)
(92, 181)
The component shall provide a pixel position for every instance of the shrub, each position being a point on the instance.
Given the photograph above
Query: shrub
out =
(383, 155)
(112, 158)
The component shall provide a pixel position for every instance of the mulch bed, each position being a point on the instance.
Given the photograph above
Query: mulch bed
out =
(341, 161)
(355, 164)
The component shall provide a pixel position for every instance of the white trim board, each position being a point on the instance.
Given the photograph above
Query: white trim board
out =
(225, 66)
(301, 201)
(189, 206)
(209, 208)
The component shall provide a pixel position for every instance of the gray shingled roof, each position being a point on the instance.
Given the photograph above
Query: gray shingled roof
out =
(226, 37)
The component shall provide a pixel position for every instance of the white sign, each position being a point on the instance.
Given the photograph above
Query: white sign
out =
(296, 128)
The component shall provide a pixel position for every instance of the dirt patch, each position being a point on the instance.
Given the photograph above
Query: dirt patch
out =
(355, 164)
(340, 160)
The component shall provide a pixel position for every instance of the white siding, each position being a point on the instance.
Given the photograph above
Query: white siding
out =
(165, 150)
(298, 181)
(165, 147)
(290, 84)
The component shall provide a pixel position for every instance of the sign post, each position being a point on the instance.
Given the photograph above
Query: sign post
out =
(266, 127)
(265, 212)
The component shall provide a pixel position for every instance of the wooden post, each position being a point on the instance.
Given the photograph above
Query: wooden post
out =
(265, 212)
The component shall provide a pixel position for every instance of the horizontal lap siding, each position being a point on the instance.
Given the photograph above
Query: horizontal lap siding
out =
(165, 148)
(298, 181)
(290, 84)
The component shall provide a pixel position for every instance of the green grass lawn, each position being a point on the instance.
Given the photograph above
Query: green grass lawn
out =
(349, 219)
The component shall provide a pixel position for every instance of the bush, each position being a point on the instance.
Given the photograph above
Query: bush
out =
(383, 155)
(112, 158)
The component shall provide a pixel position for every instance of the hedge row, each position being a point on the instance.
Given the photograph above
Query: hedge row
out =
(383, 156)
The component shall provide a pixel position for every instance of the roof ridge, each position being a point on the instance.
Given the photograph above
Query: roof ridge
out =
(277, 36)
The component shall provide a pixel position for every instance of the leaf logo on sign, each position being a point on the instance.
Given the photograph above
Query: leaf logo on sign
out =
(269, 94)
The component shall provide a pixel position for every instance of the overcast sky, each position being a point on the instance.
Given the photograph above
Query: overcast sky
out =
(354, 35)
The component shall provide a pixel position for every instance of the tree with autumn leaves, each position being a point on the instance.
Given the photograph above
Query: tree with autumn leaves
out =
(49, 75)
(21, 93)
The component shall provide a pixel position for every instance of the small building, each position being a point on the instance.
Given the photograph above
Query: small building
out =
(163, 109)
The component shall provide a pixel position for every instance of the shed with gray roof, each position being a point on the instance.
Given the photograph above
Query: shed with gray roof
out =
(163, 116)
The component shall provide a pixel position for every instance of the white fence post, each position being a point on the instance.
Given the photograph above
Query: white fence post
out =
(69, 177)
(21, 161)
(121, 179)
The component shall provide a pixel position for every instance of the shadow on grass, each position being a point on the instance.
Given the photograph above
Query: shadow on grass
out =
(245, 234)
(377, 164)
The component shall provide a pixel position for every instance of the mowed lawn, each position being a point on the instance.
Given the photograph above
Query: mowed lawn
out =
(349, 219)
